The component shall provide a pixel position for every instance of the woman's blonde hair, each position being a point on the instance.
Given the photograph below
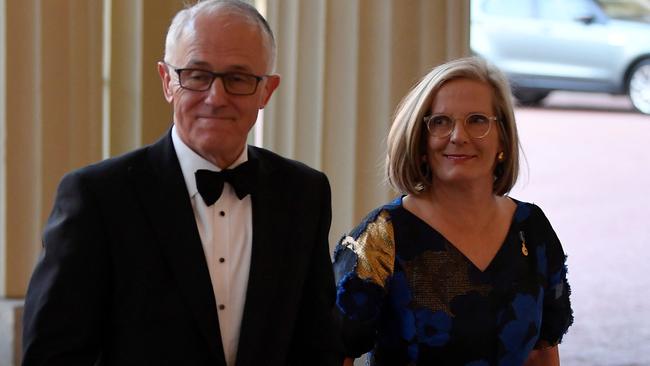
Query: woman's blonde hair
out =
(406, 171)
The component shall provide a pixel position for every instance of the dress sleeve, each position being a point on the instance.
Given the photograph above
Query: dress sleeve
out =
(363, 263)
(557, 313)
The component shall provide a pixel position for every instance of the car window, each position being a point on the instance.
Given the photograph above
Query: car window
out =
(564, 10)
(508, 8)
(626, 9)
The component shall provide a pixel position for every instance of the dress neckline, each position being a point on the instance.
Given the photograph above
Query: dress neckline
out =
(450, 246)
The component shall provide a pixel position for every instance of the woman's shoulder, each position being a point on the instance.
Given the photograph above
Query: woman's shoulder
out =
(380, 216)
(369, 249)
(537, 231)
(528, 211)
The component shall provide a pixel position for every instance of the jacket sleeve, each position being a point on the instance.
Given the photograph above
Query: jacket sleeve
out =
(66, 302)
(316, 339)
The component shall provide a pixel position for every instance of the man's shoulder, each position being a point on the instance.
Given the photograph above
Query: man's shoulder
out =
(158, 153)
(112, 166)
(117, 170)
(281, 164)
(107, 178)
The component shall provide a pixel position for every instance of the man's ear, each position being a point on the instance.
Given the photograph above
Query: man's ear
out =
(272, 83)
(166, 79)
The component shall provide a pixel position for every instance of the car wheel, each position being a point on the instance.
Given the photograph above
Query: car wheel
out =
(638, 86)
(530, 97)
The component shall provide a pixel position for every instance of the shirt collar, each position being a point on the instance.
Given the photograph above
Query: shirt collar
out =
(190, 162)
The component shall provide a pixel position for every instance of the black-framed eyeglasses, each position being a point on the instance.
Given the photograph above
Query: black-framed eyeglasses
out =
(477, 125)
(235, 83)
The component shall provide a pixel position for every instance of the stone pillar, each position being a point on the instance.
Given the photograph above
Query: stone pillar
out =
(11, 314)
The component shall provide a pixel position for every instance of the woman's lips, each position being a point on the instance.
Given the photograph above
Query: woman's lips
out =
(458, 157)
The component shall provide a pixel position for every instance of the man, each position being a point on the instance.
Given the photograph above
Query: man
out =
(152, 259)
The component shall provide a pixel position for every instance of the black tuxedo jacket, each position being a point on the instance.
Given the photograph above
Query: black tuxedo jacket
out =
(122, 279)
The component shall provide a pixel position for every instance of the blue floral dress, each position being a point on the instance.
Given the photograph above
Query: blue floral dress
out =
(411, 298)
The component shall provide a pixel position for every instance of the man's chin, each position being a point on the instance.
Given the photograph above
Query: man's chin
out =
(219, 143)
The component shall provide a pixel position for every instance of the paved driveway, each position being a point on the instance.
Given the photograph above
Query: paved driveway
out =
(588, 167)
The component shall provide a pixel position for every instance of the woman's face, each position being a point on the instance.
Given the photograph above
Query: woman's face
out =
(460, 159)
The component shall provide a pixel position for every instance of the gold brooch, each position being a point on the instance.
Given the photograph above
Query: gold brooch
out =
(524, 250)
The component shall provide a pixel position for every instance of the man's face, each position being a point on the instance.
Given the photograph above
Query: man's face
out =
(214, 123)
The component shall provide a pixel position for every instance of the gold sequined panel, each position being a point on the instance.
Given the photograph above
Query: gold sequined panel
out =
(375, 250)
(436, 277)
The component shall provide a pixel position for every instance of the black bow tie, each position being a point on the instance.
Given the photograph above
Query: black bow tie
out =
(210, 183)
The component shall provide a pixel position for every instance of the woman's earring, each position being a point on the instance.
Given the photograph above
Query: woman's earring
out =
(501, 157)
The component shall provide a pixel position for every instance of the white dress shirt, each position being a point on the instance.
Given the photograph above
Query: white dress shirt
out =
(226, 230)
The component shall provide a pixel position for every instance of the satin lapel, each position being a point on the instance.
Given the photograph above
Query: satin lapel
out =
(161, 185)
(265, 259)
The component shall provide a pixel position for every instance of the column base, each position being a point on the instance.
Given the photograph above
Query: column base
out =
(11, 324)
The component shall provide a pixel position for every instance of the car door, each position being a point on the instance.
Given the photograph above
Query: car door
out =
(500, 32)
(574, 42)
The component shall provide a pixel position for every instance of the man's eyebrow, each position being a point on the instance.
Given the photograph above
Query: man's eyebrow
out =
(241, 68)
(207, 66)
(199, 63)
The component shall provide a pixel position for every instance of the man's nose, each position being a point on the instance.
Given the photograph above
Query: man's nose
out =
(217, 93)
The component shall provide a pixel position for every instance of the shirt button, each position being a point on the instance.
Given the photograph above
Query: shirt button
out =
(221, 213)
(222, 306)
(221, 260)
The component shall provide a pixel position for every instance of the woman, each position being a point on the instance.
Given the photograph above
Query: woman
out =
(454, 272)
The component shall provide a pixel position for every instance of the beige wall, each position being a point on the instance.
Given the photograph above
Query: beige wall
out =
(73, 93)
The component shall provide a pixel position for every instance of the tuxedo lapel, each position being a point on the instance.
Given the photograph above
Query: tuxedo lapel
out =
(268, 224)
(160, 183)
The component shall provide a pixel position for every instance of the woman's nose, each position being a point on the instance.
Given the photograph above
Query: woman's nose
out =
(458, 134)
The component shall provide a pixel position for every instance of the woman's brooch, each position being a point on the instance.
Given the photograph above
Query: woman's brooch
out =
(524, 250)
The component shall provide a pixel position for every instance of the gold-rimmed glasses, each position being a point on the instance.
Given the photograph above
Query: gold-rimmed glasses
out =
(477, 125)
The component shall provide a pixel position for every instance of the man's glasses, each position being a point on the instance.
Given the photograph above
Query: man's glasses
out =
(477, 125)
(235, 83)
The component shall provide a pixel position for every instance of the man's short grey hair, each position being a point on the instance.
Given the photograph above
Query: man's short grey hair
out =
(184, 21)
